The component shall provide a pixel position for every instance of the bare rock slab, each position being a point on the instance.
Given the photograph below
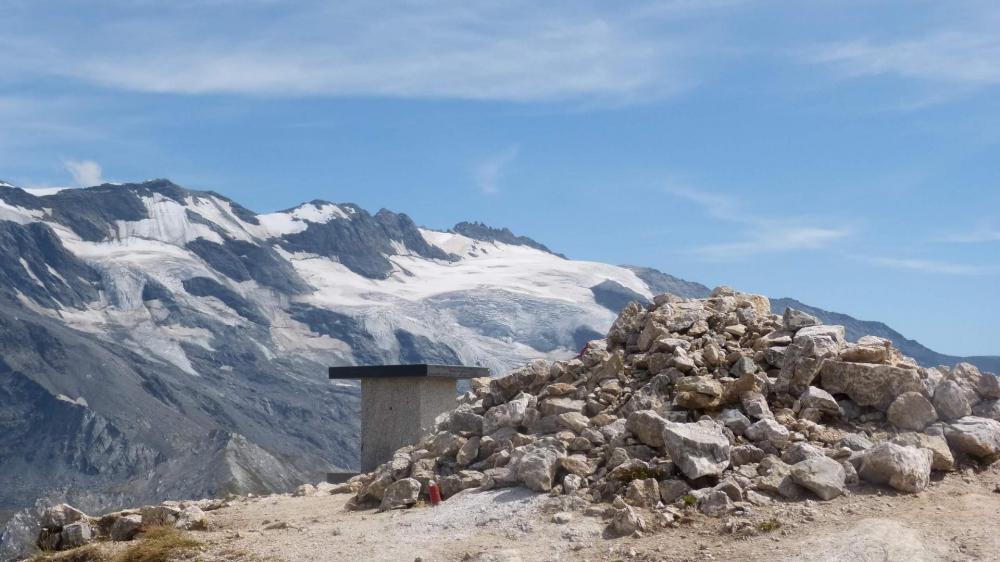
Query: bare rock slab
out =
(698, 449)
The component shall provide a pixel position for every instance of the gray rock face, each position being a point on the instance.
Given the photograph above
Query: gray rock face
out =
(192, 518)
(794, 319)
(768, 430)
(402, 493)
(821, 475)
(536, 464)
(643, 492)
(821, 400)
(987, 409)
(942, 459)
(735, 421)
(673, 490)
(911, 410)
(989, 386)
(698, 449)
(647, 426)
(906, 469)
(976, 437)
(126, 527)
(950, 401)
(715, 503)
(76, 534)
(61, 515)
(627, 521)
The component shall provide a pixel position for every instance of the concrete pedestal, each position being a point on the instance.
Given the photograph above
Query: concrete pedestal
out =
(400, 402)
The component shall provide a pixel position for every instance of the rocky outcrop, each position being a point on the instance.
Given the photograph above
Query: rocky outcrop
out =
(64, 527)
(686, 403)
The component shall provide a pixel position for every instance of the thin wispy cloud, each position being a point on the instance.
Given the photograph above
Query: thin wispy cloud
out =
(757, 234)
(516, 51)
(490, 171)
(929, 266)
(956, 57)
(86, 173)
(984, 233)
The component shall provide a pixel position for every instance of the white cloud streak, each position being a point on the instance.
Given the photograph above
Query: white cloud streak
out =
(984, 233)
(86, 173)
(929, 266)
(490, 171)
(961, 58)
(511, 51)
(758, 234)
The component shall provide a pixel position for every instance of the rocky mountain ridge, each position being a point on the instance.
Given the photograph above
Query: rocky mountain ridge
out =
(689, 410)
(160, 342)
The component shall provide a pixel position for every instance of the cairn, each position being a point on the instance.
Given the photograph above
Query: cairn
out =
(715, 404)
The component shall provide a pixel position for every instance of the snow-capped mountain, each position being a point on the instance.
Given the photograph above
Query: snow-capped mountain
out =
(159, 342)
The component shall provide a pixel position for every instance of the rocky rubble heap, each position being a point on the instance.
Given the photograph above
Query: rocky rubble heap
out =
(714, 404)
(64, 527)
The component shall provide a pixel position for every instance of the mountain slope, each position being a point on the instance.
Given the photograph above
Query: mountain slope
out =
(160, 342)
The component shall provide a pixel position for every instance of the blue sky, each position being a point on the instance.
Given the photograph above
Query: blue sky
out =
(844, 153)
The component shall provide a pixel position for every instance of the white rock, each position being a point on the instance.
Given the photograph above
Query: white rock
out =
(698, 449)
(821, 475)
(906, 469)
(976, 437)
(911, 411)
(768, 430)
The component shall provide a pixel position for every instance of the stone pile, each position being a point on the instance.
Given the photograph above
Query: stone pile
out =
(65, 527)
(712, 404)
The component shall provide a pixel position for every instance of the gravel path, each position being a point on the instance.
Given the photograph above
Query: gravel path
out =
(953, 520)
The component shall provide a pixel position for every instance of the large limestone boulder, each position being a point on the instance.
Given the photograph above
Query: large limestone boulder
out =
(510, 414)
(647, 425)
(643, 492)
(987, 409)
(768, 430)
(698, 449)
(61, 515)
(536, 464)
(805, 357)
(402, 493)
(951, 401)
(192, 518)
(126, 527)
(820, 400)
(942, 460)
(698, 393)
(906, 469)
(794, 319)
(627, 521)
(989, 386)
(911, 410)
(463, 480)
(868, 349)
(976, 437)
(821, 475)
(76, 534)
(869, 384)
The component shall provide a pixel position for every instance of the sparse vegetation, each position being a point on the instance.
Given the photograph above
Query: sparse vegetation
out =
(690, 500)
(771, 524)
(640, 473)
(89, 553)
(159, 544)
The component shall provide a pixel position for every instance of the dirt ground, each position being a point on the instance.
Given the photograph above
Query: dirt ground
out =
(955, 519)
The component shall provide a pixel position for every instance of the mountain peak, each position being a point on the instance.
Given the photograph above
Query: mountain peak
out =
(479, 231)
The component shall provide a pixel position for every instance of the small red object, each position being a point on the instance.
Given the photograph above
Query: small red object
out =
(435, 493)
